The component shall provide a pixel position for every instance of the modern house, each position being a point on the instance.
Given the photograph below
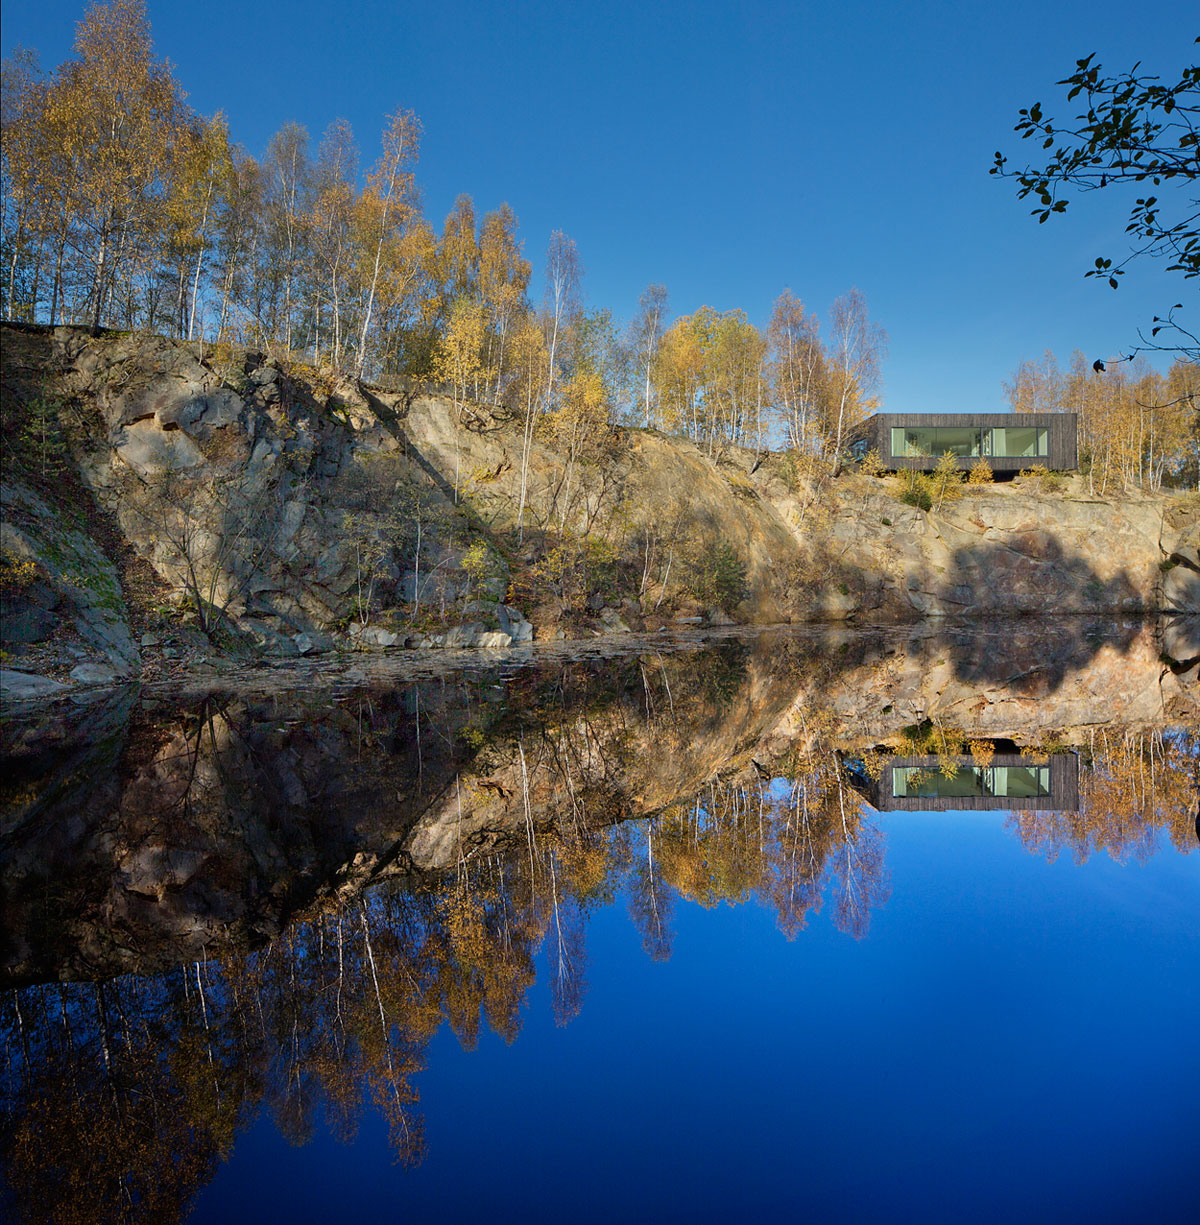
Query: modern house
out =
(1009, 781)
(1008, 441)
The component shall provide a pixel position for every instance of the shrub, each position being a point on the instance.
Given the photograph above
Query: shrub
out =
(570, 570)
(918, 496)
(42, 437)
(946, 481)
(916, 489)
(1040, 476)
(718, 576)
(871, 464)
(477, 562)
(980, 474)
(16, 573)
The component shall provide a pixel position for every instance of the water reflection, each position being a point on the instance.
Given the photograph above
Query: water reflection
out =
(310, 884)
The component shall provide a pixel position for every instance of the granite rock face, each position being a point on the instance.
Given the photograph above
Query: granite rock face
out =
(73, 583)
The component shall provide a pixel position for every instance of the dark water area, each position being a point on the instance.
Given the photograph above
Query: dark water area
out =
(851, 926)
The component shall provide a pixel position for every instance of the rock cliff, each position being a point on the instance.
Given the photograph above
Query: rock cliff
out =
(166, 501)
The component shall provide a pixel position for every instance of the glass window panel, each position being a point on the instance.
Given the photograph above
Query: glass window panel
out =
(1019, 441)
(1021, 782)
(928, 782)
(957, 439)
(1008, 782)
(913, 441)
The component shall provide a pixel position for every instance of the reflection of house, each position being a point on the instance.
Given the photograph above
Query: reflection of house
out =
(1009, 782)
(1008, 441)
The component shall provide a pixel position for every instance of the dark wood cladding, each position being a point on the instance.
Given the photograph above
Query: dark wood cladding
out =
(1063, 442)
(1063, 797)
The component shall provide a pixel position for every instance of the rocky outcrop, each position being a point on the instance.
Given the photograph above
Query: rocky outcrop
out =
(61, 582)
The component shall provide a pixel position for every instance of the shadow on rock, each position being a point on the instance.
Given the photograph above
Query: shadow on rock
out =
(1033, 658)
(1181, 643)
(1029, 572)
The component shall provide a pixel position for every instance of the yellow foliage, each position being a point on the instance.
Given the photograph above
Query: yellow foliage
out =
(871, 464)
(1040, 476)
(16, 573)
(946, 480)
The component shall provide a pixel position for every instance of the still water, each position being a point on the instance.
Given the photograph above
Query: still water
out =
(705, 931)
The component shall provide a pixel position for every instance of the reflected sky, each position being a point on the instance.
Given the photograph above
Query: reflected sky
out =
(1014, 1040)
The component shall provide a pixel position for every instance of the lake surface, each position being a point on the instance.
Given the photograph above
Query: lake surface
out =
(837, 926)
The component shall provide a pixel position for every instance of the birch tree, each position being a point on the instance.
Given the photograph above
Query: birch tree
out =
(646, 333)
(856, 351)
(563, 276)
(391, 189)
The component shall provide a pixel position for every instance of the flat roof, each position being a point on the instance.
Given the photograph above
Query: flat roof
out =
(972, 418)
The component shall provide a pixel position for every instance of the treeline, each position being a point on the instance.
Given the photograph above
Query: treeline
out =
(1138, 429)
(124, 208)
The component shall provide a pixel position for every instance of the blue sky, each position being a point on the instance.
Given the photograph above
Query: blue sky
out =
(725, 150)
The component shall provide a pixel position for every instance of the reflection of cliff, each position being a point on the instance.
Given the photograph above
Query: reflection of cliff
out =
(123, 1096)
(135, 838)
(1006, 678)
(341, 1007)
(223, 819)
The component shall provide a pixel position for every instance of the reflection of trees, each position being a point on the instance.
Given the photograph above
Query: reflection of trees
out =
(139, 1086)
(130, 1092)
(788, 845)
(1138, 788)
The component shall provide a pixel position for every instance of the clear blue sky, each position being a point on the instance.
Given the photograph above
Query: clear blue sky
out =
(725, 150)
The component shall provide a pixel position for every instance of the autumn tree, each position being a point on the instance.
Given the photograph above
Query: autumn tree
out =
(388, 206)
(679, 375)
(563, 303)
(503, 283)
(195, 197)
(854, 355)
(796, 370)
(330, 227)
(117, 117)
(28, 211)
(458, 252)
(1136, 427)
(530, 363)
(645, 335)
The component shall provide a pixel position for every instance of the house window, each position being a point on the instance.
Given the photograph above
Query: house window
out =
(913, 441)
(970, 442)
(1019, 441)
(1010, 782)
